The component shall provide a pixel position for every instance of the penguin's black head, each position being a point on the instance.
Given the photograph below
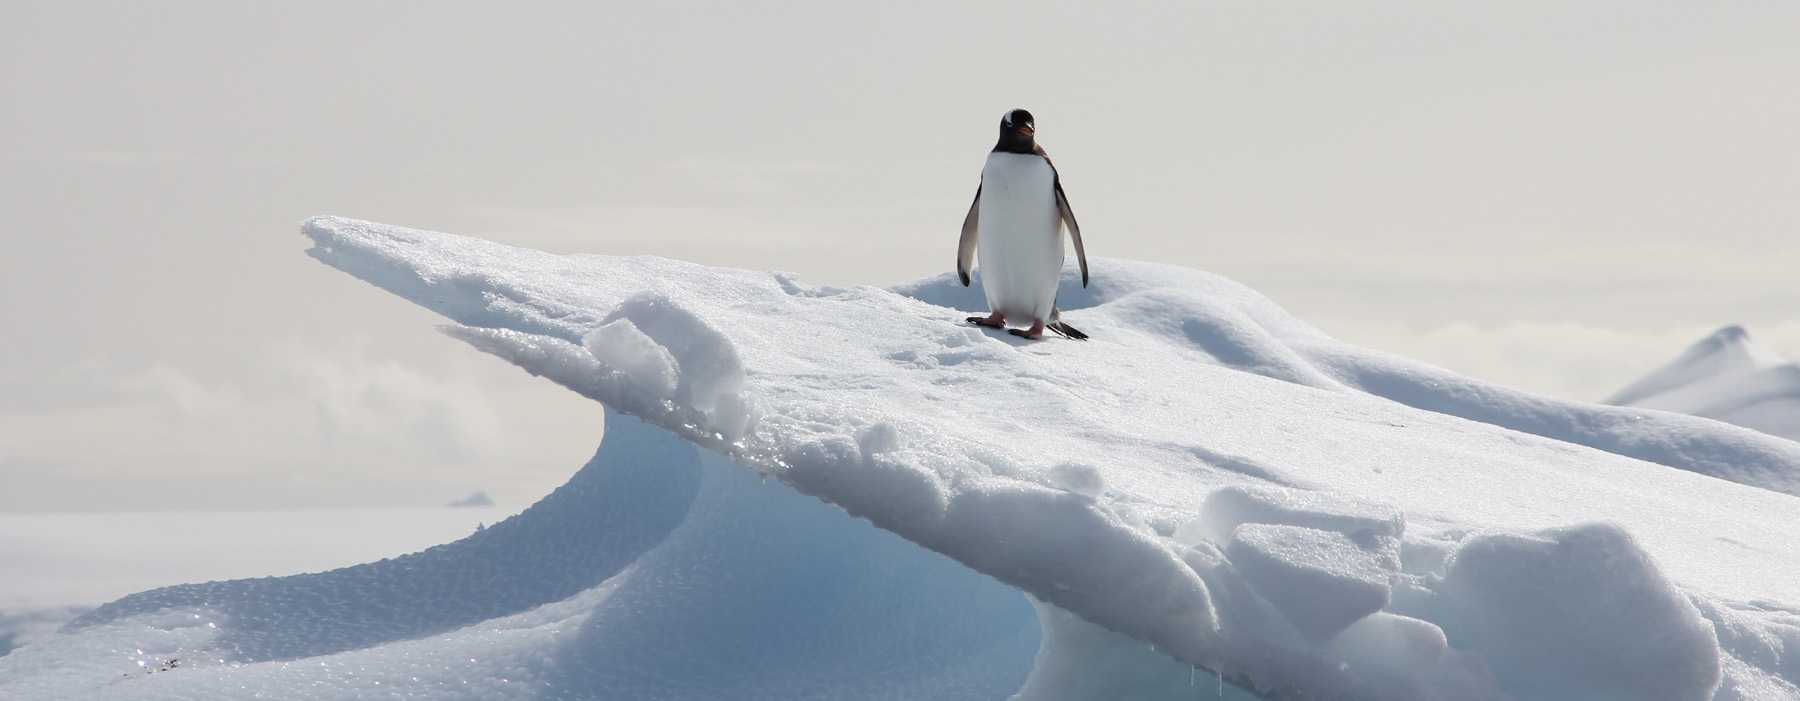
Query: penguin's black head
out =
(1017, 133)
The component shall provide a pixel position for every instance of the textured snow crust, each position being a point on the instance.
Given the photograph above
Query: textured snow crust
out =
(1210, 484)
(1727, 377)
(1232, 326)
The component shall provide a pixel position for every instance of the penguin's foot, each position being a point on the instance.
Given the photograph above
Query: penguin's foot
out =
(992, 321)
(1034, 333)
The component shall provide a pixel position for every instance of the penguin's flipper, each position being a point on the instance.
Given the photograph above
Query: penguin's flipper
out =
(1068, 219)
(965, 246)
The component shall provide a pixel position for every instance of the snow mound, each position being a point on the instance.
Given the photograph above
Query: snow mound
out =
(1579, 613)
(1726, 377)
(1209, 484)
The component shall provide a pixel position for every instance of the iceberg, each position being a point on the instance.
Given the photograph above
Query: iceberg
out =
(1728, 377)
(821, 492)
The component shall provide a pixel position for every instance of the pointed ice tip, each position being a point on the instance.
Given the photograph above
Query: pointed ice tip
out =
(1720, 340)
(1726, 338)
(1734, 332)
(311, 226)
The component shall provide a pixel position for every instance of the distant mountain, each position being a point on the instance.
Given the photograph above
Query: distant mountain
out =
(1727, 377)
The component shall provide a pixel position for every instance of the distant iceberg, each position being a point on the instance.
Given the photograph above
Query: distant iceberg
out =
(1728, 377)
(473, 500)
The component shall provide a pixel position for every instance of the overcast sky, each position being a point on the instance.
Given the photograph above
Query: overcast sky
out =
(1554, 195)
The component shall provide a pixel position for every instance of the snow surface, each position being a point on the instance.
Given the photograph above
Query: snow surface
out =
(1725, 376)
(1208, 484)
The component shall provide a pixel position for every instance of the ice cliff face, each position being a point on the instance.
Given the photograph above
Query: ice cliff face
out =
(1210, 484)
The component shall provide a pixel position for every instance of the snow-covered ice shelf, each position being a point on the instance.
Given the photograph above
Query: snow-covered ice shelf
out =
(1208, 476)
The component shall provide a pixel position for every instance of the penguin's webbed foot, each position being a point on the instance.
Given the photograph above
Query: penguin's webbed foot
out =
(1034, 333)
(992, 321)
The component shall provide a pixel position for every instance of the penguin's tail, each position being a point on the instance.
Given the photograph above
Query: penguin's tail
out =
(1066, 330)
(1061, 328)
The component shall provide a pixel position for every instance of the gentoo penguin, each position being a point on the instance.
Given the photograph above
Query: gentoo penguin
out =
(1013, 222)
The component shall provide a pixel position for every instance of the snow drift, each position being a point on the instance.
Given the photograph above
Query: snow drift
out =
(1209, 484)
(1724, 376)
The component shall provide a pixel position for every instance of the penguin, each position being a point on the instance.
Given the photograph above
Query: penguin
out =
(1013, 225)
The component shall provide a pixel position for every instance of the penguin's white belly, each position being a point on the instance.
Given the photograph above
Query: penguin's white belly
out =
(1019, 246)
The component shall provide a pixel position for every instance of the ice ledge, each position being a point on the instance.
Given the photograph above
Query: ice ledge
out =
(889, 408)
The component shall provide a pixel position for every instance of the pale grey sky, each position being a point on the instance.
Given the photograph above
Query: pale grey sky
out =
(1553, 195)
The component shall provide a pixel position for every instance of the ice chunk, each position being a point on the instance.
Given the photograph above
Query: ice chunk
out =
(1397, 658)
(708, 362)
(1079, 478)
(1578, 613)
(1373, 526)
(708, 375)
(1079, 555)
(879, 438)
(619, 345)
(1763, 636)
(1421, 555)
(1321, 580)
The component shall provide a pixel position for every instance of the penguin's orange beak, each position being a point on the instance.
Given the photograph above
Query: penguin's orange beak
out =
(1027, 131)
